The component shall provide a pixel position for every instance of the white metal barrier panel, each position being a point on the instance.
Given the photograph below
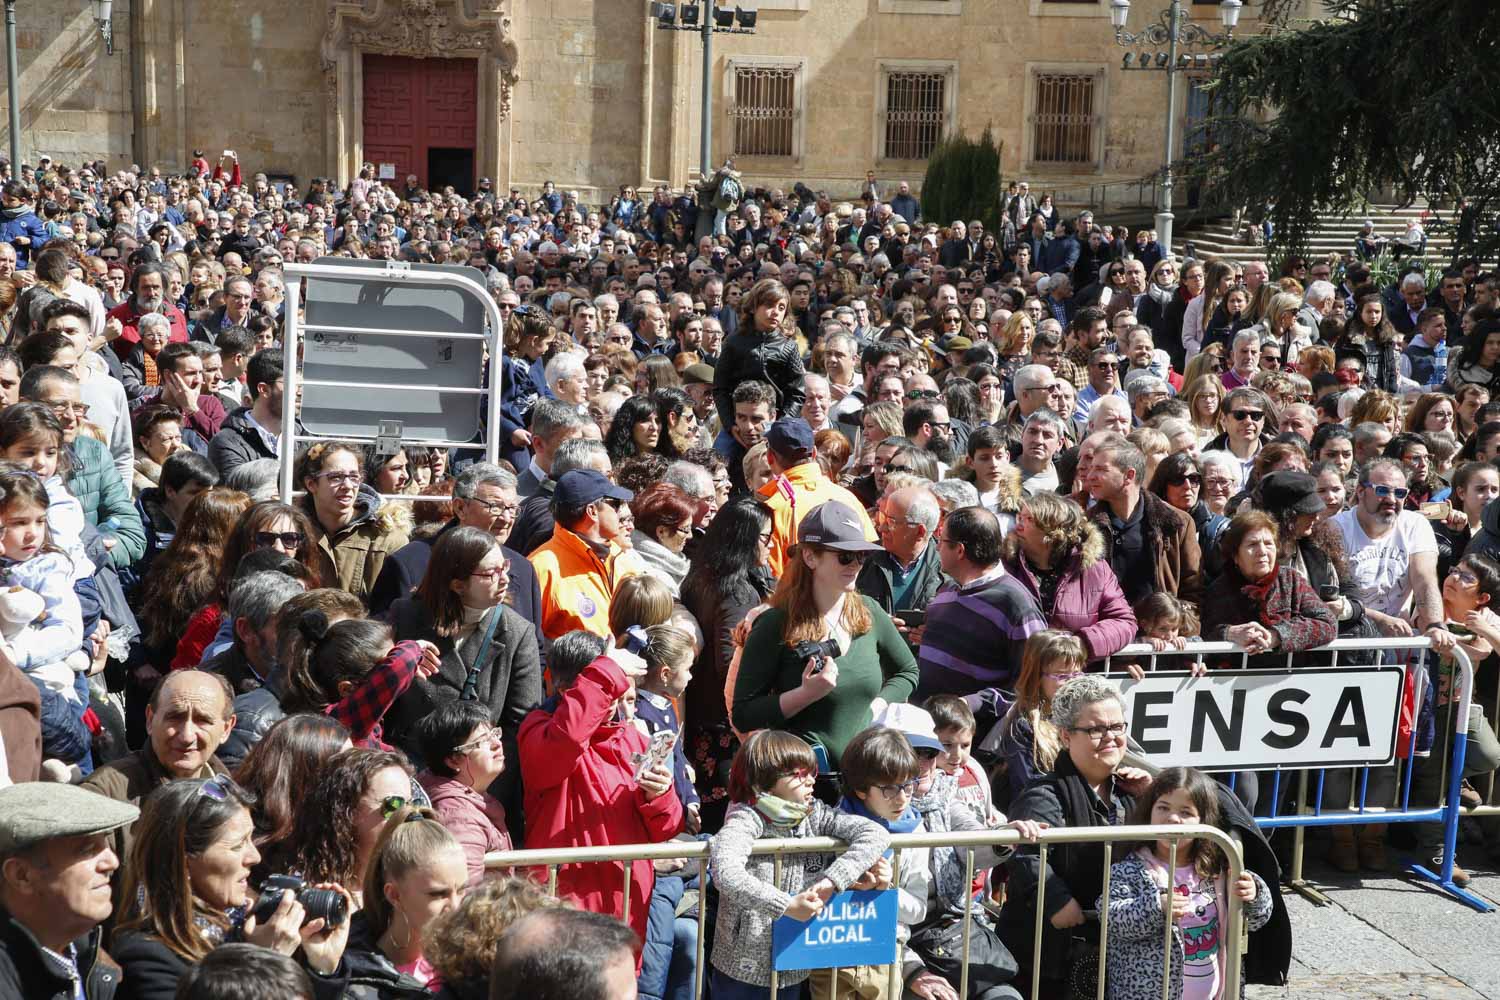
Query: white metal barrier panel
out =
(389, 353)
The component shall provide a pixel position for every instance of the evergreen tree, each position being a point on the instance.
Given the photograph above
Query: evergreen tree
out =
(1384, 94)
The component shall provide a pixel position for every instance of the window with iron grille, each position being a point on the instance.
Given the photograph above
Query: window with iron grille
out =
(916, 113)
(763, 112)
(1063, 120)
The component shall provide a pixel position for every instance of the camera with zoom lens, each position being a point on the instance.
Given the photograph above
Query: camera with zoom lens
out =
(809, 649)
(318, 903)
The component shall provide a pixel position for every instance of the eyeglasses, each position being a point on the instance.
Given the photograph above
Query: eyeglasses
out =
(1247, 414)
(288, 539)
(391, 805)
(339, 478)
(491, 574)
(497, 509)
(1097, 734)
(1063, 678)
(881, 517)
(490, 738)
(1395, 492)
(63, 409)
(945, 426)
(1463, 576)
(905, 788)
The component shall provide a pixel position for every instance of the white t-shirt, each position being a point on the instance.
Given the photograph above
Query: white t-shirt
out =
(1381, 567)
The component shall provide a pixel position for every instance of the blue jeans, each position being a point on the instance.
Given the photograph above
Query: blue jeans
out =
(722, 987)
(684, 958)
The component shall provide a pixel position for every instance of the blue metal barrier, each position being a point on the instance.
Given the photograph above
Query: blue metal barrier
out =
(1302, 817)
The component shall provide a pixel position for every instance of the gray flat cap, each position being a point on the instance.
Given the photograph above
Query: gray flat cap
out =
(34, 811)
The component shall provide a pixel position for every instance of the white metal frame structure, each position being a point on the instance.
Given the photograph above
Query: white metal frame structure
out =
(296, 329)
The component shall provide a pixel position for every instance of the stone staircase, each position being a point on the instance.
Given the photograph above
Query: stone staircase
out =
(1334, 235)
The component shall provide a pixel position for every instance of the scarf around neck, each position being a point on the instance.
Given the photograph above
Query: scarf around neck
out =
(905, 823)
(779, 811)
(947, 871)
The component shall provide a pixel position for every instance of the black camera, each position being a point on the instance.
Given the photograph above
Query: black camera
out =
(807, 649)
(318, 903)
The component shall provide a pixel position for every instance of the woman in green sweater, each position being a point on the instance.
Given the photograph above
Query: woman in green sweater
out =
(825, 700)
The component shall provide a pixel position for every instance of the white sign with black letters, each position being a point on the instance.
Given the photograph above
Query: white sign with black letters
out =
(1236, 720)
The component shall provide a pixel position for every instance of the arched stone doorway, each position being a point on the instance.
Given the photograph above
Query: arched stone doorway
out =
(476, 30)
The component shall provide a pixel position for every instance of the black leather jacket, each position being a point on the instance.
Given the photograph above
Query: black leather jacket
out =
(748, 356)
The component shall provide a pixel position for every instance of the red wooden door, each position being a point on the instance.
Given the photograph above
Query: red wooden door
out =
(414, 105)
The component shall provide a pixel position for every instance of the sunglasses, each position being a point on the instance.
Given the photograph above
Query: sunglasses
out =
(1395, 492)
(1190, 479)
(216, 788)
(1247, 414)
(850, 558)
(289, 539)
(391, 805)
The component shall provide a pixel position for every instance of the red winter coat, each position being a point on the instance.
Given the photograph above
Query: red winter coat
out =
(580, 791)
(1088, 602)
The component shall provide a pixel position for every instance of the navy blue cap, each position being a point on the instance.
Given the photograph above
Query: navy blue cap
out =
(791, 438)
(582, 487)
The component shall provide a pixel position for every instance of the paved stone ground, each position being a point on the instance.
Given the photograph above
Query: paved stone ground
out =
(1385, 938)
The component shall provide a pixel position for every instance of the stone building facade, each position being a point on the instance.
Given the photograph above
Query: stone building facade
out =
(590, 94)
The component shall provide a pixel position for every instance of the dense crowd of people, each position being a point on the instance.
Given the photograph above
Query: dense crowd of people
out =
(812, 518)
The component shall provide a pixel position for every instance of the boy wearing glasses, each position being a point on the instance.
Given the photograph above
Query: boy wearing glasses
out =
(891, 776)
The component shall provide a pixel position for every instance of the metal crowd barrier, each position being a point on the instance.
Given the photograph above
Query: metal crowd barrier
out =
(1234, 938)
(1306, 812)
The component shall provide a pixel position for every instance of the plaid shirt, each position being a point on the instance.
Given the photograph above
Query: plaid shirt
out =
(1067, 368)
(362, 709)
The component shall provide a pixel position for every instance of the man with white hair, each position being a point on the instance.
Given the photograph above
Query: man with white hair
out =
(1035, 387)
(1145, 391)
(906, 574)
(567, 380)
(1405, 308)
(1299, 418)
(817, 401)
(1110, 415)
(1317, 304)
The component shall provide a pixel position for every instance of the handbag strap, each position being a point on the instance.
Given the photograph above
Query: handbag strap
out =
(470, 690)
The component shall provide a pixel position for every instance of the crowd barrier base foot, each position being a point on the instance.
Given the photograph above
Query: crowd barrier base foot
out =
(1309, 892)
(1464, 896)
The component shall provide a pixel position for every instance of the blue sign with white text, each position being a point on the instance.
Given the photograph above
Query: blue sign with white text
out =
(853, 928)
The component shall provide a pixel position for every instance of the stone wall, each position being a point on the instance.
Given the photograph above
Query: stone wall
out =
(75, 99)
(602, 98)
(254, 85)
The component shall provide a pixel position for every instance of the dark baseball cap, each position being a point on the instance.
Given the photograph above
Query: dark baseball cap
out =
(1290, 491)
(834, 525)
(791, 438)
(698, 374)
(582, 487)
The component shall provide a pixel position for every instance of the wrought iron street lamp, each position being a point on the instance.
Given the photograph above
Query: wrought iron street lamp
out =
(1175, 32)
(706, 18)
